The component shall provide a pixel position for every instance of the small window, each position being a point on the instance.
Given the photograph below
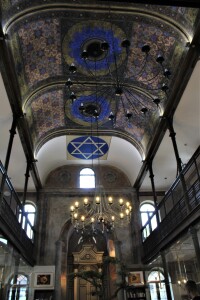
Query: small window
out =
(30, 211)
(3, 241)
(87, 178)
(146, 211)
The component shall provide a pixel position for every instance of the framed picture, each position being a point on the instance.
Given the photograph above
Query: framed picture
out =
(44, 280)
(136, 278)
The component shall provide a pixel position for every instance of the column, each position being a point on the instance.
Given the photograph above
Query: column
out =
(151, 176)
(120, 295)
(24, 196)
(136, 226)
(15, 276)
(59, 245)
(194, 236)
(179, 163)
(12, 134)
(76, 285)
(167, 284)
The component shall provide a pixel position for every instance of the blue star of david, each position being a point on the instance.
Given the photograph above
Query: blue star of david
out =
(89, 147)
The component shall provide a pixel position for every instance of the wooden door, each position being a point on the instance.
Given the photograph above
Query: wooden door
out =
(85, 288)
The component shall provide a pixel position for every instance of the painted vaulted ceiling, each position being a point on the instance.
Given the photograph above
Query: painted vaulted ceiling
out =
(103, 67)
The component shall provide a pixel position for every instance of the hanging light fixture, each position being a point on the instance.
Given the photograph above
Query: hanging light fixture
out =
(100, 214)
(139, 90)
(101, 87)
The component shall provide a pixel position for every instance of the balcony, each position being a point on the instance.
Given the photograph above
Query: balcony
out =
(178, 210)
(14, 222)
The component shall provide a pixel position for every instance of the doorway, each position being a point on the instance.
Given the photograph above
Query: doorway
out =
(86, 291)
(87, 264)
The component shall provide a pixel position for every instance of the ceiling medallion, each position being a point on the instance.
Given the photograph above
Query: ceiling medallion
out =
(94, 50)
(89, 36)
(99, 106)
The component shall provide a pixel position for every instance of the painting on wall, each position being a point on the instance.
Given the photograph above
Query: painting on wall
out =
(136, 278)
(43, 280)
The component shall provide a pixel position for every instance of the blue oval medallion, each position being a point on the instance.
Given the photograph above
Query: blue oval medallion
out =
(87, 147)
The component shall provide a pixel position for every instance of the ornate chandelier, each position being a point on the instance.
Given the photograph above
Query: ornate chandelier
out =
(139, 90)
(102, 88)
(101, 214)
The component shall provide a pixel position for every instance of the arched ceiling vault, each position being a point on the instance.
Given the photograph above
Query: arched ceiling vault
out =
(44, 38)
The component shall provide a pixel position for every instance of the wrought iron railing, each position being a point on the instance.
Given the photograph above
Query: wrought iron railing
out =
(14, 220)
(177, 205)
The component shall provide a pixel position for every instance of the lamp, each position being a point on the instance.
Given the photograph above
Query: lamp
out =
(102, 213)
(181, 278)
(138, 90)
(102, 88)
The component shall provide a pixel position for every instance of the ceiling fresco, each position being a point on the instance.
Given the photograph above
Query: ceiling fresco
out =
(46, 38)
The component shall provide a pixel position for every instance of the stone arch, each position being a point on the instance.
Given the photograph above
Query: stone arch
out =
(68, 243)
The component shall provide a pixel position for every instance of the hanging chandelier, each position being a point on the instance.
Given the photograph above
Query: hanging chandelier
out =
(103, 88)
(103, 71)
(100, 214)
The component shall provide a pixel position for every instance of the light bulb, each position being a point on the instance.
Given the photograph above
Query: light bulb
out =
(92, 220)
(184, 280)
(75, 216)
(121, 215)
(76, 204)
(121, 201)
(82, 218)
(97, 200)
(72, 208)
(113, 218)
(110, 200)
(85, 201)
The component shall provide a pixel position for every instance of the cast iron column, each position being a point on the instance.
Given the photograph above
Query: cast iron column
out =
(194, 235)
(12, 134)
(24, 195)
(28, 167)
(179, 163)
(151, 176)
(167, 284)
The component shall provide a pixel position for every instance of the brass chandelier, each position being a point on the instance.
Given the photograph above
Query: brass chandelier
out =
(99, 89)
(101, 213)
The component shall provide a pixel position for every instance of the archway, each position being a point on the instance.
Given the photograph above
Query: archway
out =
(157, 285)
(85, 254)
(18, 287)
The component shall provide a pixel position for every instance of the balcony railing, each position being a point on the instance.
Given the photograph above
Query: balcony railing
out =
(16, 228)
(177, 206)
